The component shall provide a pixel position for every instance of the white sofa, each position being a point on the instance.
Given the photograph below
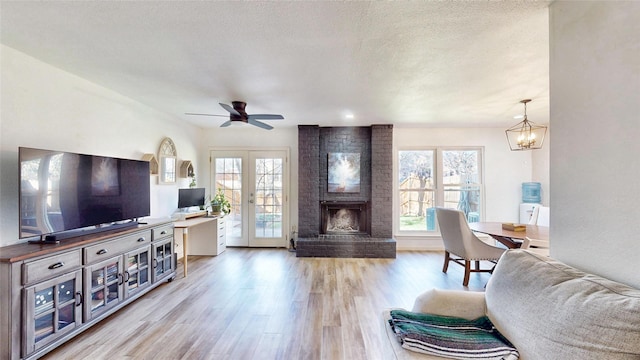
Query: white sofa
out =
(546, 309)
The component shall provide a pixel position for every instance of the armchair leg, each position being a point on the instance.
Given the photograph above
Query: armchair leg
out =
(477, 265)
(446, 261)
(467, 272)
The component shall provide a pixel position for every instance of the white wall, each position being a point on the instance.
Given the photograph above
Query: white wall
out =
(45, 107)
(595, 112)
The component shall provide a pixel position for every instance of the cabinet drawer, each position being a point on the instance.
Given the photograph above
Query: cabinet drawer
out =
(162, 231)
(118, 246)
(220, 225)
(51, 266)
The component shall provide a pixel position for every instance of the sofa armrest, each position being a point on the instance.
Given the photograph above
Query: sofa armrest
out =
(464, 304)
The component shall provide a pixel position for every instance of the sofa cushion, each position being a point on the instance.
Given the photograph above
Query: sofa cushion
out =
(549, 310)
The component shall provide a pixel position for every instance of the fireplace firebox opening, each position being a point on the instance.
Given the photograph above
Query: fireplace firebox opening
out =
(344, 217)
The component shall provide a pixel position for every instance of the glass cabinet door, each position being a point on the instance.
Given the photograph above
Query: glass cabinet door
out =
(52, 309)
(163, 259)
(138, 271)
(102, 286)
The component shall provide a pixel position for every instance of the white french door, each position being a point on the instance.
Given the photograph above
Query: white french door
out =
(256, 184)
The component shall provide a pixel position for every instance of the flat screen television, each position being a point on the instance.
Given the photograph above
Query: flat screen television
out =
(61, 192)
(190, 197)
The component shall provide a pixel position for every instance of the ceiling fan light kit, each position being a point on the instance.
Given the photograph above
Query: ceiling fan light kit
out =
(526, 135)
(238, 116)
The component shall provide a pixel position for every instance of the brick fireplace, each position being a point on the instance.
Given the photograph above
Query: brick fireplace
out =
(345, 224)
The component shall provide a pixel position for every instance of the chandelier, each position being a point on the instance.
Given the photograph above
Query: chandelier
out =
(526, 135)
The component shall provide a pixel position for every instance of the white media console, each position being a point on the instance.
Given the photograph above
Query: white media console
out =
(52, 292)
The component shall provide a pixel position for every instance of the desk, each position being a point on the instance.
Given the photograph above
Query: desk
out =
(207, 235)
(507, 237)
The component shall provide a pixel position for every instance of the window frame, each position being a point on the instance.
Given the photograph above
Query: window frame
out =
(439, 186)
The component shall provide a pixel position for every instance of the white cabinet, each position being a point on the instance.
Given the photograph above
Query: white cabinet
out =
(52, 292)
(221, 234)
(205, 235)
(51, 309)
(163, 261)
(103, 288)
(137, 271)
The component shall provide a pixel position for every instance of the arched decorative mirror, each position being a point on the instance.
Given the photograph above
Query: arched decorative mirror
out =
(168, 161)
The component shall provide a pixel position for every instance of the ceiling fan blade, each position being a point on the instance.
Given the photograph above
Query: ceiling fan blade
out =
(226, 123)
(266, 117)
(205, 114)
(259, 124)
(231, 110)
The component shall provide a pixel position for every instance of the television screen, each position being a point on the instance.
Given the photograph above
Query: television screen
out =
(190, 197)
(61, 191)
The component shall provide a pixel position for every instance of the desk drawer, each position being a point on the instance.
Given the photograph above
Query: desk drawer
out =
(51, 266)
(118, 246)
(162, 232)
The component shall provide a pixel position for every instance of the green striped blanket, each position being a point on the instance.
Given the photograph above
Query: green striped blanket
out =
(450, 336)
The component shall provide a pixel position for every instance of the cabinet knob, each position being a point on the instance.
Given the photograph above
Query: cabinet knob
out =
(141, 239)
(102, 252)
(163, 232)
(56, 265)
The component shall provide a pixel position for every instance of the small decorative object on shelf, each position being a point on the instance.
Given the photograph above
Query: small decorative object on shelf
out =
(153, 163)
(186, 169)
(220, 204)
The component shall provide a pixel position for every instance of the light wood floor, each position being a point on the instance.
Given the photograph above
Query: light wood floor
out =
(268, 304)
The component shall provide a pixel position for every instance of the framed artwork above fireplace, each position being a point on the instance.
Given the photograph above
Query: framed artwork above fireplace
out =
(343, 172)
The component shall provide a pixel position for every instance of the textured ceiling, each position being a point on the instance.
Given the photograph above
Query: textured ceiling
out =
(416, 63)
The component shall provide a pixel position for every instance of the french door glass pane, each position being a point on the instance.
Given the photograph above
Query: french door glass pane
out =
(268, 197)
(229, 179)
(417, 195)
